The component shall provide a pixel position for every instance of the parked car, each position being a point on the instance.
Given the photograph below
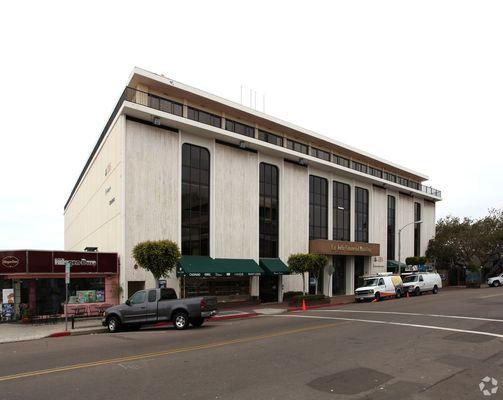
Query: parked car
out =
(379, 286)
(495, 281)
(159, 305)
(421, 282)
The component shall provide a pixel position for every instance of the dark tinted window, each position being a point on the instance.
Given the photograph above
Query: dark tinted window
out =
(391, 227)
(390, 177)
(268, 211)
(361, 214)
(417, 230)
(195, 200)
(341, 161)
(138, 297)
(359, 167)
(270, 138)
(342, 211)
(318, 207)
(240, 128)
(204, 117)
(152, 296)
(168, 294)
(296, 146)
(402, 181)
(320, 154)
(375, 172)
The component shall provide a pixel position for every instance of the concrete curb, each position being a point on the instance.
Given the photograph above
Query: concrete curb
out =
(289, 309)
(75, 333)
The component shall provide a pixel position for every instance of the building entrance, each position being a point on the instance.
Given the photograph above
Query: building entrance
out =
(269, 285)
(339, 275)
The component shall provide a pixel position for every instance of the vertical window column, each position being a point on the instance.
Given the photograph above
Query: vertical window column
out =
(391, 228)
(417, 230)
(341, 211)
(318, 208)
(361, 215)
(195, 200)
(268, 211)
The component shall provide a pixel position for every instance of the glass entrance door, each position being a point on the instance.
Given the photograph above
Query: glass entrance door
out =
(339, 275)
(359, 270)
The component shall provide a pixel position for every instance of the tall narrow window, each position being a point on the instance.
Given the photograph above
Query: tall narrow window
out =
(318, 207)
(342, 211)
(268, 211)
(417, 230)
(195, 200)
(391, 227)
(361, 214)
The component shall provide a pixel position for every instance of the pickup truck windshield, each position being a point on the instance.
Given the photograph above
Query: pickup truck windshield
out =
(412, 278)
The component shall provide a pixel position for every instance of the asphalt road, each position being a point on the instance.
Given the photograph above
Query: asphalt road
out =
(415, 348)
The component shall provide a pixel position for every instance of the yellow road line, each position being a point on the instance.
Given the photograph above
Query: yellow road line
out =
(160, 353)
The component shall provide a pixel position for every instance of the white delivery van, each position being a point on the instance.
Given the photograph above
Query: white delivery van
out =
(379, 286)
(420, 282)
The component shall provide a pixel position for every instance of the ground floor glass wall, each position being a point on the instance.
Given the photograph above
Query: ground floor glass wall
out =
(339, 275)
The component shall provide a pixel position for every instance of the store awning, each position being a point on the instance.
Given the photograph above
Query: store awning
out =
(201, 266)
(392, 266)
(273, 266)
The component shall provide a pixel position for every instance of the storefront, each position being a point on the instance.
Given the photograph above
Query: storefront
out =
(231, 280)
(36, 281)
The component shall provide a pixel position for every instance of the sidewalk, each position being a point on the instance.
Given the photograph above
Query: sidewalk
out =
(16, 331)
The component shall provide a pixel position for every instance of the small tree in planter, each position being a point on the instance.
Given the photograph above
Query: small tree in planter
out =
(158, 257)
(302, 263)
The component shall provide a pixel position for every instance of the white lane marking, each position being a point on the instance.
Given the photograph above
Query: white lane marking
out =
(492, 295)
(413, 314)
(371, 321)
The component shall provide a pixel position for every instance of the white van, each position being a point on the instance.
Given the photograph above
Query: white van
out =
(379, 286)
(420, 282)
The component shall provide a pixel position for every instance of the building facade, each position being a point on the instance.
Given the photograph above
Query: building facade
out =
(239, 191)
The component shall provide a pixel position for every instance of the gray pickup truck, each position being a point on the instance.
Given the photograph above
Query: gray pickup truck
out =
(159, 305)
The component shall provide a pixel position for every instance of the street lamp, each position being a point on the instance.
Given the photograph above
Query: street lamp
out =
(400, 243)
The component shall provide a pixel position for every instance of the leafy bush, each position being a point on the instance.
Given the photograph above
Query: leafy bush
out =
(309, 298)
(289, 295)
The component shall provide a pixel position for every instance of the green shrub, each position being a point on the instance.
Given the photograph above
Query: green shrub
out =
(309, 298)
(289, 295)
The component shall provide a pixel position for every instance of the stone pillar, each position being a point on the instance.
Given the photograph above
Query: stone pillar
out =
(254, 286)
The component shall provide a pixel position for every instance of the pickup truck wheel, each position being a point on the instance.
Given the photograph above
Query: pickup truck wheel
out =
(197, 322)
(435, 289)
(181, 320)
(417, 291)
(113, 324)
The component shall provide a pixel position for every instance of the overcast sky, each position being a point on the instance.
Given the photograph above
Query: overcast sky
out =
(418, 83)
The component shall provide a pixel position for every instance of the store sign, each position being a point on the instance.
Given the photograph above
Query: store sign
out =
(379, 261)
(343, 248)
(10, 261)
(62, 261)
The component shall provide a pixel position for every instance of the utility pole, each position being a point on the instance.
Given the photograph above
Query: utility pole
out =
(400, 243)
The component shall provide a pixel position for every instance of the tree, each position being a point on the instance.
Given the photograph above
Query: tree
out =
(310, 263)
(461, 243)
(158, 257)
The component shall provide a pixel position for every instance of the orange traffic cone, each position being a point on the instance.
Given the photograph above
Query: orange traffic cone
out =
(408, 295)
(304, 307)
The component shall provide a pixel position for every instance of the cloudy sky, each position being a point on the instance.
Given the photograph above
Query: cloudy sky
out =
(419, 83)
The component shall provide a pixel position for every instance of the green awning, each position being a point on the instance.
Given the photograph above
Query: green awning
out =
(201, 266)
(392, 266)
(273, 266)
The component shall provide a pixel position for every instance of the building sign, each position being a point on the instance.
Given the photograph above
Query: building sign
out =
(334, 247)
(10, 261)
(379, 261)
(62, 261)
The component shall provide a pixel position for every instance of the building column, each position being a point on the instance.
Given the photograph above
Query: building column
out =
(327, 282)
(350, 275)
(32, 296)
(254, 286)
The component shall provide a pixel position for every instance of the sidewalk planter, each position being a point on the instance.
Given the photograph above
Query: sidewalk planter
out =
(311, 300)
